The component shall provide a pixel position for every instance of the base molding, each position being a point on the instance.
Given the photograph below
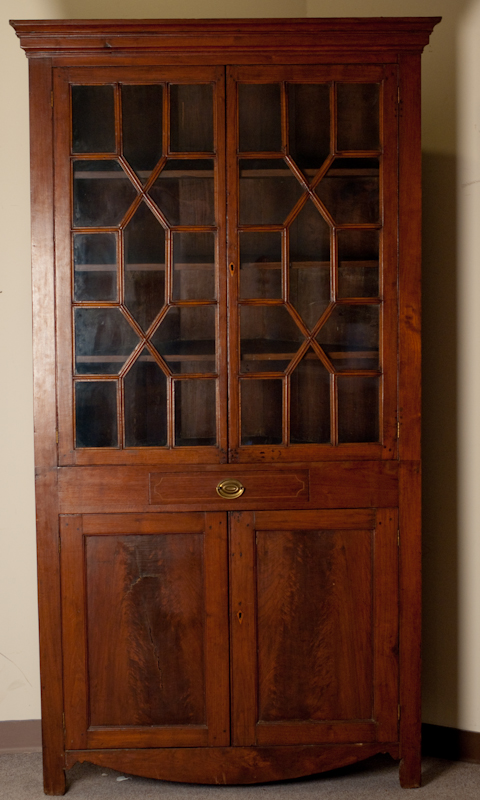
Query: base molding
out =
(230, 765)
(450, 743)
(21, 736)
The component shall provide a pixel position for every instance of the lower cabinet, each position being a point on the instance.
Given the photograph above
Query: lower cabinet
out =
(239, 632)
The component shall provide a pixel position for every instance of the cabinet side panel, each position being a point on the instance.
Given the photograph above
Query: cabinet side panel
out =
(410, 208)
(410, 624)
(41, 154)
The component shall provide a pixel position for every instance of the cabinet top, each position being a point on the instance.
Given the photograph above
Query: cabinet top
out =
(331, 35)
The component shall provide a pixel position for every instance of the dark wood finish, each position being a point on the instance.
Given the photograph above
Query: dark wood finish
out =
(231, 765)
(354, 38)
(292, 644)
(302, 578)
(41, 155)
(129, 489)
(410, 620)
(145, 630)
(188, 489)
(409, 401)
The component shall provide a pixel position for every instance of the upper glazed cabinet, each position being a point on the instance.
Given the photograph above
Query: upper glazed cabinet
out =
(226, 253)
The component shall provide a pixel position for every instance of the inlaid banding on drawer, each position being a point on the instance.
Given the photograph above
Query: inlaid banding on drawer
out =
(202, 487)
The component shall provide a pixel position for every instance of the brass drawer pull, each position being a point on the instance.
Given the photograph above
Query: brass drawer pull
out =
(230, 488)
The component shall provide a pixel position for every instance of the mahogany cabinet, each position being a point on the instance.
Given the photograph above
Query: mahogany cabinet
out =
(226, 261)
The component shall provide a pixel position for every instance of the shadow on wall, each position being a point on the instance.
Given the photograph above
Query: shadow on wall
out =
(440, 466)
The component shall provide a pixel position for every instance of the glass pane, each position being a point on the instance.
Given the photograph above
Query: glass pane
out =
(93, 119)
(193, 266)
(184, 192)
(191, 118)
(186, 339)
(259, 117)
(261, 412)
(350, 190)
(358, 257)
(261, 265)
(195, 413)
(103, 341)
(269, 338)
(102, 194)
(96, 414)
(95, 262)
(309, 289)
(310, 401)
(358, 407)
(350, 337)
(309, 125)
(144, 266)
(268, 191)
(145, 404)
(142, 127)
(358, 116)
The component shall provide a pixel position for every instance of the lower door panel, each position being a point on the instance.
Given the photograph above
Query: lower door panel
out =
(145, 630)
(314, 626)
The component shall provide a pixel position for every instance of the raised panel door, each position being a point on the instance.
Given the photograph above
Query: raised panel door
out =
(145, 630)
(314, 626)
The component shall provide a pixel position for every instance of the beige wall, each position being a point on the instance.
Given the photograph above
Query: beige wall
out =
(451, 131)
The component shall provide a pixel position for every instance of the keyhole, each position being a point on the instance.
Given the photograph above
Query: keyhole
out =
(239, 617)
(232, 268)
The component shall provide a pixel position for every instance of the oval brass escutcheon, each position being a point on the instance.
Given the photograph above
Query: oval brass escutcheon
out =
(230, 488)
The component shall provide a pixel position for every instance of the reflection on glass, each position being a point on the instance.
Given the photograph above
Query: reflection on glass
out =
(261, 411)
(186, 339)
(195, 413)
(310, 401)
(93, 119)
(358, 257)
(142, 127)
(191, 118)
(358, 116)
(145, 404)
(103, 341)
(309, 125)
(144, 266)
(261, 265)
(350, 337)
(259, 117)
(268, 191)
(96, 414)
(358, 407)
(269, 338)
(350, 190)
(309, 264)
(95, 264)
(193, 265)
(102, 193)
(184, 192)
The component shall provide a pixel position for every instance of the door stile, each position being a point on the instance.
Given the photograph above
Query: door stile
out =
(386, 624)
(233, 265)
(217, 654)
(243, 629)
(74, 630)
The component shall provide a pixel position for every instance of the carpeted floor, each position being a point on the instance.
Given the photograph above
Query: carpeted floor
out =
(21, 779)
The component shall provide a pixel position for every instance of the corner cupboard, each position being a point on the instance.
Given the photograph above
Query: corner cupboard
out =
(226, 257)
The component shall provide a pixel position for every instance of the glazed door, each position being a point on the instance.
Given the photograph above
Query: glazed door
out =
(145, 630)
(314, 627)
(312, 237)
(140, 265)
